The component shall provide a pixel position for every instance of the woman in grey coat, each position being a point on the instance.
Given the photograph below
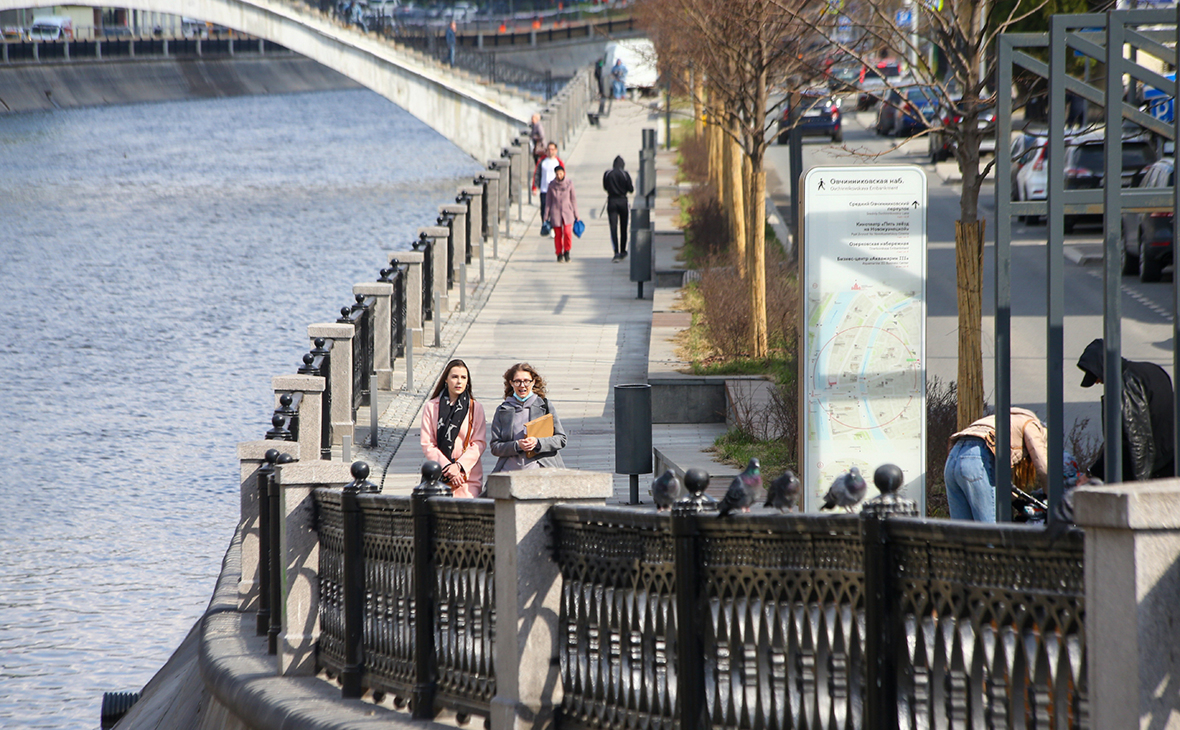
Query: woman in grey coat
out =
(524, 401)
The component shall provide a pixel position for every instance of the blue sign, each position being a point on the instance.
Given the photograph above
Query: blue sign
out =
(1159, 103)
(905, 18)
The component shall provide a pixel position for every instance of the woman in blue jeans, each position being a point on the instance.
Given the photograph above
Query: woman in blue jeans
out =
(970, 472)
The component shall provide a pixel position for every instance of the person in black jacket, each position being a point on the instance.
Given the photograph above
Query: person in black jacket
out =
(617, 184)
(1147, 416)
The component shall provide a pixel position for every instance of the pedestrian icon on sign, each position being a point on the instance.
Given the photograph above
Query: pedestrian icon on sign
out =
(821, 183)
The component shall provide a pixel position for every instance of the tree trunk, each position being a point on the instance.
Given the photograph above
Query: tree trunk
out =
(698, 113)
(736, 203)
(969, 269)
(757, 269)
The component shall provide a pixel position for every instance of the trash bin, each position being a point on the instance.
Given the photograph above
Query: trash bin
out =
(633, 433)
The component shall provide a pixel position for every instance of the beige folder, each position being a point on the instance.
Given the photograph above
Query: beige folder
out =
(539, 428)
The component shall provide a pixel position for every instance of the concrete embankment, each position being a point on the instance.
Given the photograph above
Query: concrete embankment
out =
(46, 86)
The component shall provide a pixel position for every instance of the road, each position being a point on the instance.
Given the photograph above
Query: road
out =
(1147, 309)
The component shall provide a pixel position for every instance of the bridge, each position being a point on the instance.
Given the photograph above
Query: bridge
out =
(475, 115)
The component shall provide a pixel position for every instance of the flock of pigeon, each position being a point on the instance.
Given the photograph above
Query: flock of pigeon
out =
(846, 491)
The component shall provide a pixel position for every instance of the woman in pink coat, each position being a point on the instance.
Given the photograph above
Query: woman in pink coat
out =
(561, 210)
(454, 431)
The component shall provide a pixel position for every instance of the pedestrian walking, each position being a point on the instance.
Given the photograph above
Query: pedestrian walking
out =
(970, 471)
(1147, 416)
(546, 171)
(454, 431)
(524, 404)
(617, 184)
(562, 212)
(537, 136)
(619, 74)
(452, 40)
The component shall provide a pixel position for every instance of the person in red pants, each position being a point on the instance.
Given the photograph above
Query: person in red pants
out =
(561, 210)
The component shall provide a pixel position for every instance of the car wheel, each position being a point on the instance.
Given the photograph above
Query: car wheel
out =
(838, 135)
(784, 137)
(1068, 222)
(1149, 269)
(1128, 260)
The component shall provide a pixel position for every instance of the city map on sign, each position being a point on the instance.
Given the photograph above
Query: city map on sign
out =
(863, 385)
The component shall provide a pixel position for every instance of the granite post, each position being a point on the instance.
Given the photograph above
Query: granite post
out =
(1132, 602)
(413, 262)
(251, 456)
(341, 374)
(300, 549)
(438, 263)
(382, 330)
(310, 408)
(458, 212)
(528, 591)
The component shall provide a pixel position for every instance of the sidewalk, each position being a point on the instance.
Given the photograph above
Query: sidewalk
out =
(580, 324)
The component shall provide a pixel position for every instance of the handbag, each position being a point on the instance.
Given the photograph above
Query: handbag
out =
(546, 228)
(579, 228)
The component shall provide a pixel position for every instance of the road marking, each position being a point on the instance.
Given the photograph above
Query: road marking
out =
(1140, 297)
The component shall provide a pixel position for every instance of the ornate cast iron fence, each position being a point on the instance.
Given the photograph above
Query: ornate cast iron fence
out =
(360, 316)
(980, 626)
(459, 538)
(395, 274)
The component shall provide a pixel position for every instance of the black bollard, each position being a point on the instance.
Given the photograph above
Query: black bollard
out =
(690, 680)
(354, 580)
(276, 562)
(265, 473)
(425, 669)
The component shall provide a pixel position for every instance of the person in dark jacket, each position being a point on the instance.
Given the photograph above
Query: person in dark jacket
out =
(617, 184)
(1147, 416)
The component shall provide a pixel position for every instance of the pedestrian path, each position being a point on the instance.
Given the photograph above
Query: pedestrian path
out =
(580, 324)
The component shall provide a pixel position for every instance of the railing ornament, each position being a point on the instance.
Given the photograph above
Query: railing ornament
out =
(696, 481)
(320, 348)
(430, 486)
(423, 240)
(308, 367)
(279, 430)
(360, 483)
(463, 197)
(889, 478)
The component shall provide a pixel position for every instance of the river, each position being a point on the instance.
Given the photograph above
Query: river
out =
(159, 263)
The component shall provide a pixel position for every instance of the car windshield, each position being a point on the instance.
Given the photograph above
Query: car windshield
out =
(1135, 155)
(921, 95)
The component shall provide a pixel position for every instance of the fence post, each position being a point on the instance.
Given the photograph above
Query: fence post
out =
(880, 711)
(265, 474)
(438, 264)
(275, 555)
(690, 658)
(528, 591)
(381, 315)
(251, 458)
(298, 604)
(340, 373)
(425, 663)
(354, 579)
(413, 261)
(310, 415)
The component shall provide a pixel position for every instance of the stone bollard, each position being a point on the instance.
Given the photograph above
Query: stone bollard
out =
(491, 203)
(528, 591)
(1132, 602)
(381, 314)
(251, 457)
(299, 548)
(413, 262)
(340, 373)
(458, 215)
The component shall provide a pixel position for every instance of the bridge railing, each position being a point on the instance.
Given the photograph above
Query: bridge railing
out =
(215, 45)
(686, 620)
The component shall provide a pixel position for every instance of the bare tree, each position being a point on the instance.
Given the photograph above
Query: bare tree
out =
(741, 51)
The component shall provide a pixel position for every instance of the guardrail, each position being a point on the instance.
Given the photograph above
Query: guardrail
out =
(98, 49)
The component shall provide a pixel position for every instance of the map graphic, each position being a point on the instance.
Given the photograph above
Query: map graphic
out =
(863, 385)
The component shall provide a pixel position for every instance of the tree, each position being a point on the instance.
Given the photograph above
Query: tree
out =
(739, 51)
(962, 33)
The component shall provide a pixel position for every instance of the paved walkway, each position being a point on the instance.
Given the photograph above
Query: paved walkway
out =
(580, 324)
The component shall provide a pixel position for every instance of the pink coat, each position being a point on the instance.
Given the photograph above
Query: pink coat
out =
(561, 203)
(469, 446)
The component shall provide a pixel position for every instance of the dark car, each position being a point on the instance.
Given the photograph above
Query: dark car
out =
(906, 111)
(942, 144)
(1147, 237)
(843, 76)
(818, 114)
(1085, 167)
(875, 81)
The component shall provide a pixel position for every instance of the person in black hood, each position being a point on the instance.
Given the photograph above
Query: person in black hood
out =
(1147, 416)
(617, 184)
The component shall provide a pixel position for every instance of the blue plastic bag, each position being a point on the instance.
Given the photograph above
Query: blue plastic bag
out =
(546, 228)
(579, 228)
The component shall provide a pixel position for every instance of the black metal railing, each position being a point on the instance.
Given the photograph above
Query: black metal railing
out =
(395, 274)
(425, 245)
(415, 551)
(448, 220)
(360, 316)
(319, 362)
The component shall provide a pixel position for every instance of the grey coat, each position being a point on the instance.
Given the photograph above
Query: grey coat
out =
(502, 440)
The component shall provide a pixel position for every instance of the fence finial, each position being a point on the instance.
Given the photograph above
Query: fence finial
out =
(430, 486)
(696, 481)
(360, 479)
(889, 479)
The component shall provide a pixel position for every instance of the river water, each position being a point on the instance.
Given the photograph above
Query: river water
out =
(159, 263)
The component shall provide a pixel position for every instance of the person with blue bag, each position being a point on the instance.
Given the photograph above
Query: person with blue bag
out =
(561, 210)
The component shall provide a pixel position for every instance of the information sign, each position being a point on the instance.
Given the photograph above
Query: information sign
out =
(863, 318)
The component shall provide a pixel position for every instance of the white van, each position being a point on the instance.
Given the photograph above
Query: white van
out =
(52, 28)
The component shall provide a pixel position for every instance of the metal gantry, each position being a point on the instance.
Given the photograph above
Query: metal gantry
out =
(1116, 39)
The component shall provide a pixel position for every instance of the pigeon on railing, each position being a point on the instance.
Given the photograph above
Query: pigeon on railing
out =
(783, 493)
(846, 491)
(665, 490)
(743, 490)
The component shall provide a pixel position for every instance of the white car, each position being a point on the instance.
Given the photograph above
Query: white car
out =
(1029, 165)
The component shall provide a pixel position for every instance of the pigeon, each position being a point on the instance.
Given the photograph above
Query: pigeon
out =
(846, 490)
(742, 490)
(665, 490)
(783, 493)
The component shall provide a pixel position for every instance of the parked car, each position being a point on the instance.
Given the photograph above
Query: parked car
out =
(874, 82)
(1029, 178)
(941, 145)
(843, 76)
(818, 114)
(1147, 237)
(52, 28)
(12, 33)
(1085, 167)
(906, 111)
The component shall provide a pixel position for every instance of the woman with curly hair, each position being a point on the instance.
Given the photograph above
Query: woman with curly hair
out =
(454, 431)
(524, 401)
